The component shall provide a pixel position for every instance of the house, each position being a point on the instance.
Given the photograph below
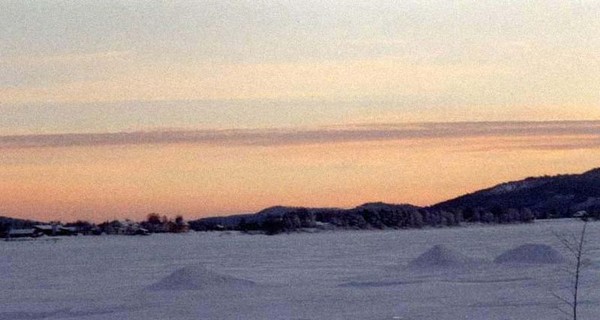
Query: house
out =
(21, 233)
(583, 215)
(55, 230)
(46, 229)
(125, 227)
(140, 232)
(67, 231)
(133, 228)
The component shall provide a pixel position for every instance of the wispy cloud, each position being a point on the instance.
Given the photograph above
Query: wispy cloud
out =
(556, 135)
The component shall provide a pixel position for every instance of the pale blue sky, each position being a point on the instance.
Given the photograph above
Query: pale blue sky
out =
(68, 66)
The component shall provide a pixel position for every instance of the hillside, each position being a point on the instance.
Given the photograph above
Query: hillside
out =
(549, 196)
(516, 201)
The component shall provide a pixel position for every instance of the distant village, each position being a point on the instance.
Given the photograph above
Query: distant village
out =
(278, 220)
(24, 229)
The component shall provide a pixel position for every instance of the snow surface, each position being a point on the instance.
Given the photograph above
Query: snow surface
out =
(440, 256)
(531, 253)
(329, 275)
(199, 278)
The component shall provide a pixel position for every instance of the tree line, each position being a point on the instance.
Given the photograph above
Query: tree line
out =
(363, 218)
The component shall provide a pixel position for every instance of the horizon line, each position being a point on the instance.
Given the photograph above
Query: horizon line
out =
(233, 214)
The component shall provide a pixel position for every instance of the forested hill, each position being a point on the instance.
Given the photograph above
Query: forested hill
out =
(367, 216)
(517, 201)
(547, 196)
(7, 223)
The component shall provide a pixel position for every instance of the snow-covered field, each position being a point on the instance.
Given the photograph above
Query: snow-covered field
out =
(329, 275)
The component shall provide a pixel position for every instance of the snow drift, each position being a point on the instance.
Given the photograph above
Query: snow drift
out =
(531, 253)
(197, 278)
(440, 256)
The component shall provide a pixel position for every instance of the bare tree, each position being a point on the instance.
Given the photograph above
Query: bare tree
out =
(576, 245)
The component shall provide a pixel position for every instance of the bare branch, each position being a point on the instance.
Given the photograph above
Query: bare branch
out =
(576, 245)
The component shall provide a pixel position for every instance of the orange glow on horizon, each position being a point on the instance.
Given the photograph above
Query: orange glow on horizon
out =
(100, 183)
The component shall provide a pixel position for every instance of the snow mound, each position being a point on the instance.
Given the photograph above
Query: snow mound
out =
(198, 278)
(440, 256)
(531, 253)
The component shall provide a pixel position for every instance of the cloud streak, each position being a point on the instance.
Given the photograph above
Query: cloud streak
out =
(569, 135)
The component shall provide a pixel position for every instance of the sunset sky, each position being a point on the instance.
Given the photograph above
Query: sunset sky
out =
(115, 109)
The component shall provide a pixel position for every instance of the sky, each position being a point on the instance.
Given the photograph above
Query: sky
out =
(116, 109)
